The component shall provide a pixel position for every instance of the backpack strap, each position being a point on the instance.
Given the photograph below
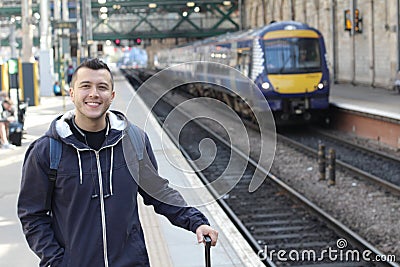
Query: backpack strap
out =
(137, 139)
(55, 157)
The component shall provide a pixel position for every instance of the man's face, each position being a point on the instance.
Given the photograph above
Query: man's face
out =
(92, 95)
(7, 106)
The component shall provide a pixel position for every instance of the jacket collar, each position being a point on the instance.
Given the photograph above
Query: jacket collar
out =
(116, 122)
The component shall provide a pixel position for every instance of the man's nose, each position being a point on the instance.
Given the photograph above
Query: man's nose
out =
(93, 91)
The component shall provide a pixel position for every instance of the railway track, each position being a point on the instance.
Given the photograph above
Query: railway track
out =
(375, 166)
(382, 169)
(275, 217)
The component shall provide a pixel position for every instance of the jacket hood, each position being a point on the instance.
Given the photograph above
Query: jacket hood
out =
(60, 129)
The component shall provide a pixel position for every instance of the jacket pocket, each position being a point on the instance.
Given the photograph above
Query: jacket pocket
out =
(133, 252)
(137, 245)
(65, 260)
(68, 186)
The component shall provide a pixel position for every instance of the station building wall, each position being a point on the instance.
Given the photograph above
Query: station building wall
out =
(369, 58)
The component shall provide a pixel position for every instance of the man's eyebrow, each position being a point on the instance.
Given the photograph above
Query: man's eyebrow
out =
(89, 82)
(103, 83)
(83, 82)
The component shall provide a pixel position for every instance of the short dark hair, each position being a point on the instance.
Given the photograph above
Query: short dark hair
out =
(94, 64)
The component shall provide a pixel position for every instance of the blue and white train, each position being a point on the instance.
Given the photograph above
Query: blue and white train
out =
(286, 60)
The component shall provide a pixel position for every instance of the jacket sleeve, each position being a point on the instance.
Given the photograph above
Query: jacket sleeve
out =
(35, 219)
(167, 201)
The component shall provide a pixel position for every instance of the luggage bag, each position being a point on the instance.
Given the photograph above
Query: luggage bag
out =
(15, 133)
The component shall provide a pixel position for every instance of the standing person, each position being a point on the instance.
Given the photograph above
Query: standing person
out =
(93, 219)
(6, 116)
(57, 89)
(70, 72)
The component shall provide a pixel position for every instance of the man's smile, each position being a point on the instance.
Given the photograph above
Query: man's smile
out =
(92, 104)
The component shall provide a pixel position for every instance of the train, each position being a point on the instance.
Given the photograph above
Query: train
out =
(133, 58)
(286, 60)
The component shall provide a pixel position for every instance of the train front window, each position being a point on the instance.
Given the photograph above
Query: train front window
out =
(292, 55)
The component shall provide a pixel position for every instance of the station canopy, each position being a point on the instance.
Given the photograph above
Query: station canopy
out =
(132, 19)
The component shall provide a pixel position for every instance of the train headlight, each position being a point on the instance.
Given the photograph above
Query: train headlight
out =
(265, 85)
(320, 86)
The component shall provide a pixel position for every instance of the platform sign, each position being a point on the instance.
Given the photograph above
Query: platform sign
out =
(13, 66)
(64, 24)
(13, 89)
(13, 72)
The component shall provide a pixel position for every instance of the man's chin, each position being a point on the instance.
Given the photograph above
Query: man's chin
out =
(95, 115)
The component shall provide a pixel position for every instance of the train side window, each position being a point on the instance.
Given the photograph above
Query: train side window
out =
(243, 62)
(308, 55)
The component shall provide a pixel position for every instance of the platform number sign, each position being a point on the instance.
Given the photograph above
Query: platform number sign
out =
(13, 72)
(13, 78)
(13, 66)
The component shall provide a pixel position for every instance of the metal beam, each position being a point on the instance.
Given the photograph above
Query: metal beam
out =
(158, 35)
(160, 3)
(131, 19)
(8, 12)
(167, 19)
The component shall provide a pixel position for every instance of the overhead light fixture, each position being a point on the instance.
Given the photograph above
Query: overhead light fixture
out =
(190, 4)
(184, 13)
(103, 16)
(152, 5)
(227, 3)
(197, 9)
(103, 9)
(116, 7)
(101, 1)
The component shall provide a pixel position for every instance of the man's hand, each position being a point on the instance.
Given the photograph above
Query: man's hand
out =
(203, 230)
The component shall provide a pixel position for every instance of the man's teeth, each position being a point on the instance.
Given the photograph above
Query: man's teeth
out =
(92, 104)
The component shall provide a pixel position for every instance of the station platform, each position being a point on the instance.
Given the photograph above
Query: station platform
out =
(371, 100)
(168, 246)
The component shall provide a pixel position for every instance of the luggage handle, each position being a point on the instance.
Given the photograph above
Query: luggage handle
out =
(207, 240)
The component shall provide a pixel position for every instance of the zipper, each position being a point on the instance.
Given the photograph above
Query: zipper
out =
(102, 210)
(101, 197)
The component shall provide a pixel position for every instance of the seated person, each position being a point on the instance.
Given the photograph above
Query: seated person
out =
(7, 116)
(3, 137)
(3, 95)
(57, 89)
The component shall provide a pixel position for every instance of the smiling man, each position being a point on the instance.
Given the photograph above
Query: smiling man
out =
(92, 219)
(92, 93)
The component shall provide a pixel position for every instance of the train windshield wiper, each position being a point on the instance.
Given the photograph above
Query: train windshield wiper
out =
(293, 56)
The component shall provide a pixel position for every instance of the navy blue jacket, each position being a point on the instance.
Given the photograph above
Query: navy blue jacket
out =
(94, 214)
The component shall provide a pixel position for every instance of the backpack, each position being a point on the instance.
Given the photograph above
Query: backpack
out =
(135, 136)
(56, 89)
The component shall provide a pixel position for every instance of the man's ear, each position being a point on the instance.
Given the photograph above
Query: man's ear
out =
(71, 93)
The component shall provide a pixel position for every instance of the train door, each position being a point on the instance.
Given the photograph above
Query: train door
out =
(243, 63)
